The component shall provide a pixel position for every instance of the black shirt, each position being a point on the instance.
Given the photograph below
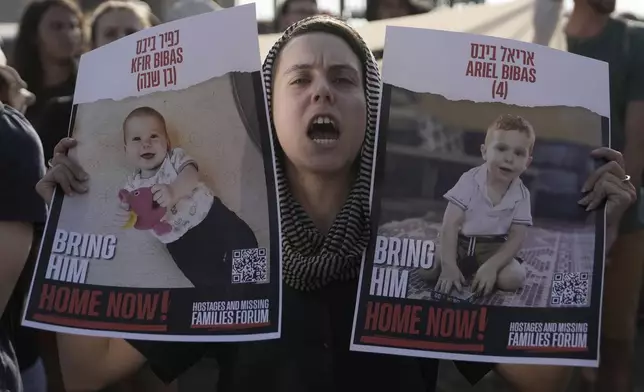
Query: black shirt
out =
(21, 166)
(312, 355)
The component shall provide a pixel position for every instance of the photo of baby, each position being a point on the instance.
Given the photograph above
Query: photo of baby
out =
(165, 196)
(180, 181)
(487, 216)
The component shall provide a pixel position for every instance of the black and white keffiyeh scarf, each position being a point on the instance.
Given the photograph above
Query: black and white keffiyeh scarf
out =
(311, 260)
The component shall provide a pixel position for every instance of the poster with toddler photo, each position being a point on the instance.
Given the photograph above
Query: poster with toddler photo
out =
(481, 250)
(177, 238)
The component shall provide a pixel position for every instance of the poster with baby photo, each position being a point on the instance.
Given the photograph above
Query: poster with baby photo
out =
(481, 250)
(177, 238)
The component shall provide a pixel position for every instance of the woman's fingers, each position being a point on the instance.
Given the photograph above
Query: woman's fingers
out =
(60, 158)
(457, 285)
(488, 289)
(443, 286)
(611, 167)
(619, 199)
(74, 168)
(64, 145)
(584, 201)
(475, 284)
(617, 193)
(609, 154)
(608, 186)
(594, 198)
(60, 176)
(68, 181)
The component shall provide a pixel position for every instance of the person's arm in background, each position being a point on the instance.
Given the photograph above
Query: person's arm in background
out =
(21, 166)
(545, 18)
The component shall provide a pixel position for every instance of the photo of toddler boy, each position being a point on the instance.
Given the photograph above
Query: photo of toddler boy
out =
(487, 216)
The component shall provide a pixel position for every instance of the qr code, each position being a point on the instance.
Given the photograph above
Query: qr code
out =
(570, 289)
(250, 265)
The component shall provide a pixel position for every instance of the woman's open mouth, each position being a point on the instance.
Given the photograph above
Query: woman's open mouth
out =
(506, 170)
(323, 130)
(148, 155)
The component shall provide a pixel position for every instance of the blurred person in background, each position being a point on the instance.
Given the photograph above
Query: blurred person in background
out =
(292, 11)
(545, 18)
(110, 21)
(50, 39)
(186, 8)
(116, 19)
(22, 217)
(592, 32)
(387, 9)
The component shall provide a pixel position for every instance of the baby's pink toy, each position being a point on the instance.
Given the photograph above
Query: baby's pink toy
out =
(146, 213)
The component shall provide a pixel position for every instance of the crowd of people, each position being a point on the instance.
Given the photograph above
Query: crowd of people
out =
(37, 82)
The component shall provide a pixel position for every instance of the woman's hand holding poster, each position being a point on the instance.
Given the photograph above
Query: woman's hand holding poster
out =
(177, 237)
(480, 250)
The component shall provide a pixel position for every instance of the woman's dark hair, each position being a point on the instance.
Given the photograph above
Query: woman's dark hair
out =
(26, 57)
(371, 13)
(140, 9)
